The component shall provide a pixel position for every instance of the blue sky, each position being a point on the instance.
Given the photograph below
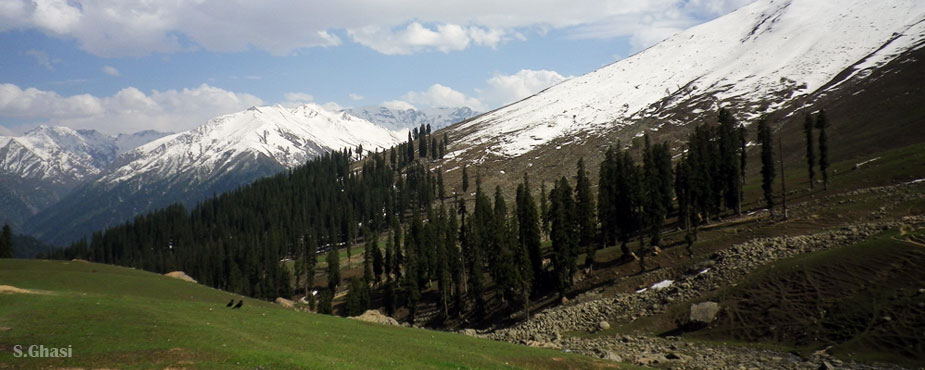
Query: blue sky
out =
(124, 66)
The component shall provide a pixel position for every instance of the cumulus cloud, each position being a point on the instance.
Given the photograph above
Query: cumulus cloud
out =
(110, 70)
(417, 37)
(398, 105)
(42, 58)
(504, 89)
(133, 28)
(499, 90)
(355, 97)
(128, 110)
(438, 95)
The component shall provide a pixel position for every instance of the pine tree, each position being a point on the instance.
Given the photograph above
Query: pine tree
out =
(357, 300)
(544, 209)
(766, 139)
(465, 179)
(654, 210)
(529, 230)
(585, 212)
(333, 261)
(606, 197)
(821, 123)
(6, 242)
(810, 153)
(563, 231)
(729, 161)
(378, 263)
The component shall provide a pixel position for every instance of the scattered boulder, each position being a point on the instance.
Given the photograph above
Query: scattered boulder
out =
(180, 275)
(469, 332)
(376, 317)
(649, 359)
(533, 343)
(603, 325)
(285, 302)
(610, 355)
(703, 313)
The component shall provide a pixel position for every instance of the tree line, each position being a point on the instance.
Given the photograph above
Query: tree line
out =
(416, 239)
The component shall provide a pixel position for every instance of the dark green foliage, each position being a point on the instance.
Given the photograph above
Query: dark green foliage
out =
(810, 153)
(378, 263)
(529, 231)
(729, 160)
(357, 300)
(6, 242)
(325, 302)
(563, 232)
(585, 212)
(821, 123)
(465, 179)
(766, 140)
(333, 261)
(657, 186)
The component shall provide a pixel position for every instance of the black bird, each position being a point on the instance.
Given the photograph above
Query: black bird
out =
(240, 303)
(230, 303)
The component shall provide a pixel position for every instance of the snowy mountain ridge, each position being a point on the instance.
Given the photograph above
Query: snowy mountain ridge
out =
(398, 119)
(289, 137)
(63, 155)
(753, 60)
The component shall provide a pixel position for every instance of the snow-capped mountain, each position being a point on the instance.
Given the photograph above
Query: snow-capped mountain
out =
(38, 168)
(398, 119)
(57, 154)
(754, 60)
(224, 153)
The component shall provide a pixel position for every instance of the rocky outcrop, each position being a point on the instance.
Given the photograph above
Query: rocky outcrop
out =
(376, 317)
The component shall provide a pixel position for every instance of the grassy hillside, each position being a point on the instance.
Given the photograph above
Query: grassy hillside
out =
(125, 318)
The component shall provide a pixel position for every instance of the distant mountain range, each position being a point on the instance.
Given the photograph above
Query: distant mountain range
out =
(398, 119)
(226, 152)
(37, 169)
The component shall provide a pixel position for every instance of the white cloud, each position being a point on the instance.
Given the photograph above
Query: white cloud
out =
(128, 110)
(356, 97)
(398, 105)
(417, 37)
(500, 90)
(438, 95)
(332, 106)
(132, 28)
(505, 89)
(42, 58)
(110, 70)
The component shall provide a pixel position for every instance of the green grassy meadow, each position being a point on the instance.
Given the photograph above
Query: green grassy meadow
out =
(114, 317)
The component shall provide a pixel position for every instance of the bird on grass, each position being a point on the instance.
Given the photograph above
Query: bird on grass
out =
(230, 303)
(240, 303)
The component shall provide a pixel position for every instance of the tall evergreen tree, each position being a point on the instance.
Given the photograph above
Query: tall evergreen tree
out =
(563, 230)
(529, 229)
(810, 153)
(333, 261)
(822, 122)
(585, 212)
(465, 180)
(729, 161)
(766, 139)
(654, 209)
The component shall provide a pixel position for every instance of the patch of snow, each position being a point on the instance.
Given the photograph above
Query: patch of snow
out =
(662, 284)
